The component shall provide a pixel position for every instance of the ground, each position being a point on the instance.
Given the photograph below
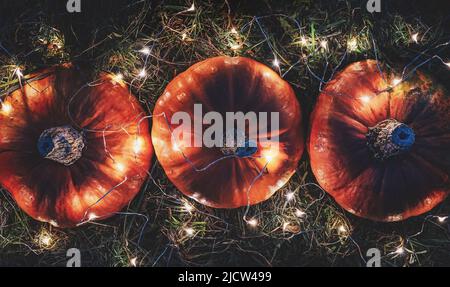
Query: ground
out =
(310, 40)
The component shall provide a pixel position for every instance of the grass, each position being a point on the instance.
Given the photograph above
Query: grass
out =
(181, 232)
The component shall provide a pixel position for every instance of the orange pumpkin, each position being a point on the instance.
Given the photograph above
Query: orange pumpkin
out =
(379, 146)
(72, 151)
(226, 84)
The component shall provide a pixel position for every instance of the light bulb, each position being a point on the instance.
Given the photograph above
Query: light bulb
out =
(276, 63)
(145, 50)
(299, 213)
(189, 231)
(252, 222)
(142, 73)
(6, 108)
(192, 8)
(290, 196)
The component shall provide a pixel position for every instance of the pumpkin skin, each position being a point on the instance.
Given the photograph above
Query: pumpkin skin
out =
(66, 195)
(354, 105)
(229, 84)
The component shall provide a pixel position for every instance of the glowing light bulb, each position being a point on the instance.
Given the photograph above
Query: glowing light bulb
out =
(285, 225)
(342, 229)
(233, 31)
(92, 216)
(6, 108)
(290, 196)
(276, 63)
(324, 44)
(235, 47)
(189, 231)
(442, 219)
(183, 36)
(142, 73)
(396, 81)
(303, 41)
(18, 73)
(192, 8)
(365, 99)
(175, 147)
(117, 78)
(352, 44)
(414, 37)
(447, 64)
(137, 145)
(299, 213)
(188, 207)
(252, 222)
(45, 239)
(133, 261)
(145, 50)
(400, 250)
(120, 167)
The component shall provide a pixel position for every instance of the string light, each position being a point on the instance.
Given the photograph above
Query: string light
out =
(303, 41)
(447, 64)
(137, 145)
(365, 99)
(285, 225)
(324, 44)
(442, 219)
(400, 250)
(6, 108)
(276, 63)
(299, 213)
(117, 78)
(290, 196)
(188, 207)
(396, 81)
(142, 73)
(269, 154)
(183, 36)
(414, 37)
(133, 261)
(352, 44)
(120, 167)
(189, 231)
(192, 8)
(342, 229)
(145, 50)
(92, 216)
(235, 47)
(175, 147)
(45, 239)
(18, 73)
(252, 222)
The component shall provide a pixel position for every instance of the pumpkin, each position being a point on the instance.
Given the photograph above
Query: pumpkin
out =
(230, 175)
(381, 146)
(72, 151)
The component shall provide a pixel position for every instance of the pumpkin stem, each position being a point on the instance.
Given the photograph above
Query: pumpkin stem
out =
(237, 147)
(389, 138)
(61, 144)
